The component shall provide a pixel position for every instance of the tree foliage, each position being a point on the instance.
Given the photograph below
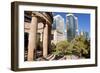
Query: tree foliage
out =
(79, 46)
(61, 48)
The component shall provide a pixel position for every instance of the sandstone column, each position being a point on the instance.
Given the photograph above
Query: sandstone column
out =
(32, 39)
(45, 41)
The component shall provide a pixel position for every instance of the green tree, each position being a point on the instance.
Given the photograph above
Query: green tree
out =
(61, 48)
(81, 46)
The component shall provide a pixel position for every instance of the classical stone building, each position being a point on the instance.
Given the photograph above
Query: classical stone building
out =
(37, 28)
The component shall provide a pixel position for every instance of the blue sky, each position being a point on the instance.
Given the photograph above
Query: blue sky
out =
(83, 20)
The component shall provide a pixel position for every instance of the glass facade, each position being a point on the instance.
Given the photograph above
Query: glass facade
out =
(72, 26)
(58, 28)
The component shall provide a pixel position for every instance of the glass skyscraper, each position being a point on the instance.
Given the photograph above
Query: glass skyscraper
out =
(72, 26)
(58, 28)
(85, 34)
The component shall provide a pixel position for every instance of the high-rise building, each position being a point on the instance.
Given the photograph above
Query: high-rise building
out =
(72, 26)
(85, 34)
(58, 28)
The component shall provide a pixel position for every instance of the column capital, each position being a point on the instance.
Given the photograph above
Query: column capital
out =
(34, 15)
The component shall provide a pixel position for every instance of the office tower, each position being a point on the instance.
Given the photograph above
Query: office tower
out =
(85, 34)
(72, 26)
(58, 28)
